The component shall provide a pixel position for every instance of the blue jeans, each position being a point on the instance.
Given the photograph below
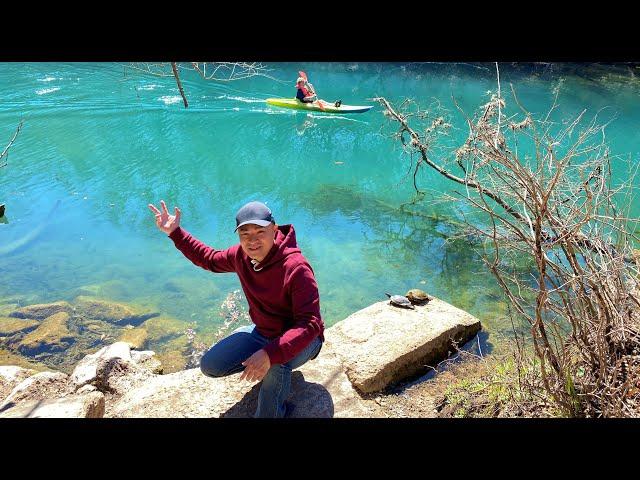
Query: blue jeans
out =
(226, 357)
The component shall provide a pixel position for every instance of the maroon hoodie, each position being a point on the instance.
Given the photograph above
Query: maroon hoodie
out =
(283, 295)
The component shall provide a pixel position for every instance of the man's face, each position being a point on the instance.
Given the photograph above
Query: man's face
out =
(256, 241)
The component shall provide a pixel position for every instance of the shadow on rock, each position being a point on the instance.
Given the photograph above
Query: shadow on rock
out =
(307, 400)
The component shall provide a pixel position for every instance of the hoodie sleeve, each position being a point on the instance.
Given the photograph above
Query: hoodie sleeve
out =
(307, 323)
(209, 258)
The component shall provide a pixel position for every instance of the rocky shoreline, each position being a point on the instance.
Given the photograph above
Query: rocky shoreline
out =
(363, 355)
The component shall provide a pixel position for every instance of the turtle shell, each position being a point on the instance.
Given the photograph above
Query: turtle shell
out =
(417, 296)
(400, 301)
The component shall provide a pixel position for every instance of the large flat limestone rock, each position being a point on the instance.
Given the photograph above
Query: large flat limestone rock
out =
(319, 389)
(383, 344)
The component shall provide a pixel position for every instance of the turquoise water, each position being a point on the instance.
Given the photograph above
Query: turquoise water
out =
(101, 142)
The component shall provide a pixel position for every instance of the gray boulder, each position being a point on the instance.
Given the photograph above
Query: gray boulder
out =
(40, 386)
(86, 370)
(382, 344)
(10, 377)
(147, 359)
(89, 405)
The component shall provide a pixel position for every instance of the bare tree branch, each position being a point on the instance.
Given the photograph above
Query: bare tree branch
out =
(5, 153)
(214, 71)
(175, 74)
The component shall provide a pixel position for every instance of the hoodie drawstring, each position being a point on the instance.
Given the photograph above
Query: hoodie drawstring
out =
(254, 263)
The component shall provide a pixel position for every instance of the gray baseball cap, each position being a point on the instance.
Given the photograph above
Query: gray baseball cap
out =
(254, 212)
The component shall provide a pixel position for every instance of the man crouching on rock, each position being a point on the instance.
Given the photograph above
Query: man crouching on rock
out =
(283, 298)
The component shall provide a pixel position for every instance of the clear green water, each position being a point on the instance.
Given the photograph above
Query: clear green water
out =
(104, 144)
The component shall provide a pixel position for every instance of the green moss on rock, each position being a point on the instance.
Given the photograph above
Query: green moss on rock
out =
(6, 309)
(10, 358)
(172, 361)
(52, 335)
(10, 325)
(42, 311)
(111, 312)
(164, 328)
(135, 337)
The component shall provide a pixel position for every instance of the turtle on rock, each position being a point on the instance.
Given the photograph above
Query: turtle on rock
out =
(418, 297)
(400, 301)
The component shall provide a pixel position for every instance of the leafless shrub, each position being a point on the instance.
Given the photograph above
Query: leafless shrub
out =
(546, 195)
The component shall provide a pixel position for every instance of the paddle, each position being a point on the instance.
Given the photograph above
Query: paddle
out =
(304, 75)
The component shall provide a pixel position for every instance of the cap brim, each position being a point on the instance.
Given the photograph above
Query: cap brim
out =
(262, 223)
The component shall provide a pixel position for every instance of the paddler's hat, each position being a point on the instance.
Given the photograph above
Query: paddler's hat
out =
(254, 212)
(300, 81)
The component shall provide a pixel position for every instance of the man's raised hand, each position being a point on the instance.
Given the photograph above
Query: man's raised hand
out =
(165, 222)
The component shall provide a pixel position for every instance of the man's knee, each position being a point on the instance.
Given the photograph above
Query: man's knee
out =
(211, 369)
(209, 372)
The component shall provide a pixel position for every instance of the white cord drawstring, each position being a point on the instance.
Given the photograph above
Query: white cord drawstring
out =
(254, 263)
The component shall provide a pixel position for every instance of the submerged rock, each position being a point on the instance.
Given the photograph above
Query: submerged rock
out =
(11, 325)
(175, 354)
(52, 335)
(172, 361)
(10, 358)
(111, 312)
(109, 289)
(42, 311)
(7, 308)
(163, 328)
(135, 337)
